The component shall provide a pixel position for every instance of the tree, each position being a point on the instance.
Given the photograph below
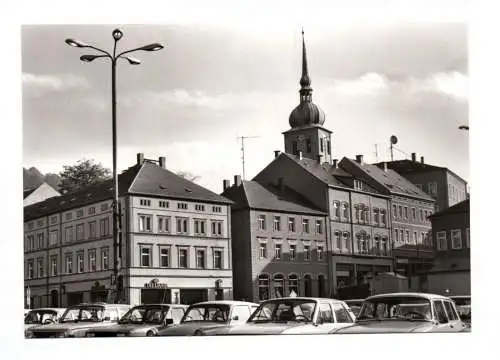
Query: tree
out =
(83, 173)
(188, 176)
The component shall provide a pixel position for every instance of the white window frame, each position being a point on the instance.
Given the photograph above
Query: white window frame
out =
(80, 261)
(163, 256)
(277, 223)
(105, 258)
(338, 240)
(305, 226)
(308, 252)
(142, 254)
(220, 252)
(262, 246)
(319, 252)
(179, 250)
(261, 221)
(92, 259)
(31, 270)
(291, 224)
(68, 259)
(53, 265)
(145, 223)
(294, 252)
(92, 229)
(346, 236)
(441, 241)
(336, 210)
(80, 232)
(40, 267)
(278, 251)
(203, 251)
(454, 233)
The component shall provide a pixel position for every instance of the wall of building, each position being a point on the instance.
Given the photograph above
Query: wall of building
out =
(446, 224)
(433, 183)
(457, 283)
(457, 189)
(242, 252)
(314, 134)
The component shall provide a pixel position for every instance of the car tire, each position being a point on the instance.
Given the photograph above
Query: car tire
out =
(198, 333)
(150, 333)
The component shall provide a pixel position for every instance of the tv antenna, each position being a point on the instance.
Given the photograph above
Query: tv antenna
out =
(376, 152)
(394, 141)
(242, 138)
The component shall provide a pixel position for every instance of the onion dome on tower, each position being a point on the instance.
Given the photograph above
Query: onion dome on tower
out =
(306, 113)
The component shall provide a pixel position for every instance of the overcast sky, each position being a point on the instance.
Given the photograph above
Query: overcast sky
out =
(210, 84)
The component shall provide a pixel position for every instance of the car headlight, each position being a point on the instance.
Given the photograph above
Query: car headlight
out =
(28, 334)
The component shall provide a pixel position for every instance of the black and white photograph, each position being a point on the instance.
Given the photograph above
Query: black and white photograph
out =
(221, 179)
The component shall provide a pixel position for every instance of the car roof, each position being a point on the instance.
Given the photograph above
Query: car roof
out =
(409, 294)
(102, 304)
(460, 297)
(162, 304)
(225, 302)
(304, 298)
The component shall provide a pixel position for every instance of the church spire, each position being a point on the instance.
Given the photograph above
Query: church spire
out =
(305, 80)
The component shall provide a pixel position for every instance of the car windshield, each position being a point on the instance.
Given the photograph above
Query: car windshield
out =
(284, 310)
(85, 313)
(40, 317)
(145, 315)
(207, 312)
(396, 308)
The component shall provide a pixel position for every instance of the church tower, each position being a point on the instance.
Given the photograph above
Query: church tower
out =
(307, 134)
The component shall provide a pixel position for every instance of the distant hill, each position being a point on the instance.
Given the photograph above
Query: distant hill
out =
(33, 178)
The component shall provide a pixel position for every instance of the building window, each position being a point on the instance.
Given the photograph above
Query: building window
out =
(199, 207)
(407, 238)
(163, 204)
(164, 257)
(277, 223)
(319, 253)
(30, 269)
(295, 148)
(394, 211)
(69, 263)
(376, 218)
(396, 235)
(92, 230)
(69, 216)
(263, 284)
(293, 284)
(200, 259)
(262, 222)
(199, 227)
(401, 236)
(79, 232)
(467, 237)
(441, 240)
(41, 240)
(79, 263)
(277, 251)
(406, 212)
(384, 246)
(53, 265)
(328, 147)
(305, 226)
(279, 285)
(414, 213)
(53, 220)
(291, 224)
(183, 258)
(307, 253)
(263, 250)
(347, 240)
(382, 217)
(104, 207)
(91, 210)
(40, 268)
(361, 213)
(79, 213)
(105, 258)
(217, 259)
(216, 209)
(367, 214)
(31, 242)
(400, 212)
(336, 210)
(358, 185)
(145, 252)
(421, 215)
(182, 225)
(345, 211)
(433, 188)
(182, 206)
(414, 240)
(145, 223)
(163, 224)
(217, 228)
(338, 239)
(104, 223)
(456, 239)
(319, 227)
(292, 251)
(92, 260)
(54, 238)
(145, 202)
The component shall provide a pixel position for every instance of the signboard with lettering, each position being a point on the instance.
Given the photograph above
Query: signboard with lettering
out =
(155, 284)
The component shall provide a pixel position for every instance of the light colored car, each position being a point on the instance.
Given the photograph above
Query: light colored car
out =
(463, 305)
(77, 319)
(293, 315)
(207, 315)
(405, 313)
(142, 320)
(42, 316)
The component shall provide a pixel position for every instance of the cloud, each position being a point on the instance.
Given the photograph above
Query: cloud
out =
(53, 83)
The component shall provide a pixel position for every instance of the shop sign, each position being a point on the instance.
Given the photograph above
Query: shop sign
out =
(155, 284)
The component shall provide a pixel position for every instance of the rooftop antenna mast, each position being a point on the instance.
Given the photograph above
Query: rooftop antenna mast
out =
(242, 138)
(376, 152)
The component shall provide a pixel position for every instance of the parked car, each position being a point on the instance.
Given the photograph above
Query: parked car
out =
(463, 305)
(142, 320)
(77, 319)
(42, 316)
(354, 305)
(405, 313)
(292, 315)
(209, 315)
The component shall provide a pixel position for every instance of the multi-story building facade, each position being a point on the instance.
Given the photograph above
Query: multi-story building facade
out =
(279, 242)
(442, 184)
(176, 244)
(451, 271)
(409, 211)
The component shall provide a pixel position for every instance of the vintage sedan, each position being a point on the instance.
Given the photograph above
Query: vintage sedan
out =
(292, 315)
(142, 320)
(77, 319)
(210, 315)
(406, 313)
(42, 316)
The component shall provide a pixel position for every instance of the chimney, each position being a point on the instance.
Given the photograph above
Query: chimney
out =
(140, 158)
(385, 166)
(162, 160)
(281, 185)
(320, 157)
(359, 159)
(237, 180)
(300, 155)
(422, 159)
(276, 153)
(414, 157)
(335, 164)
(226, 184)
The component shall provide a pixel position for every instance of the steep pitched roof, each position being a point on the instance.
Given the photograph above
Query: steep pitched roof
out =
(327, 173)
(253, 195)
(147, 179)
(391, 180)
(27, 193)
(408, 166)
(459, 208)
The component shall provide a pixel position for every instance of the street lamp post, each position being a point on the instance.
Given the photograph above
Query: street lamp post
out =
(117, 35)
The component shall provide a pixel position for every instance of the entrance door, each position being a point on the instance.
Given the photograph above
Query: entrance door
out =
(54, 299)
(155, 296)
(219, 294)
(192, 296)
